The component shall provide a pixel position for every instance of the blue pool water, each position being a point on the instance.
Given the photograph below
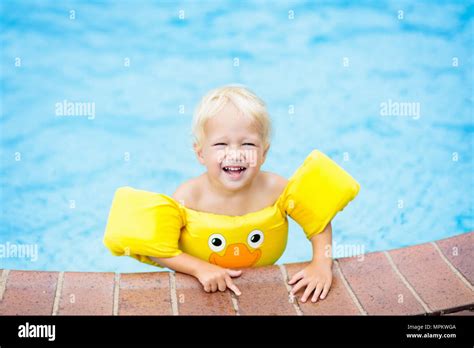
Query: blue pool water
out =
(337, 65)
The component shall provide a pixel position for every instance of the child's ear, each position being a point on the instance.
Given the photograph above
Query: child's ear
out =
(198, 151)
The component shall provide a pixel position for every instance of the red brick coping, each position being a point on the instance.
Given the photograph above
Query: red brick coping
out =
(433, 278)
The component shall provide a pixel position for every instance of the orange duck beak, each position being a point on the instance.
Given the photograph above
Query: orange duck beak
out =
(236, 256)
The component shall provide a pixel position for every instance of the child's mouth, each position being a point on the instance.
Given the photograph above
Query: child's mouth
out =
(235, 172)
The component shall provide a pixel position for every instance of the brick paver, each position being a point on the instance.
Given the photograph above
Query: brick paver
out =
(193, 300)
(378, 287)
(432, 277)
(337, 302)
(459, 250)
(263, 292)
(29, 293)
(144, 294)
(87, 294)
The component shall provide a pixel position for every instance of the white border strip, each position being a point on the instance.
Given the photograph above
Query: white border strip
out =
(407, 284)
(349, 289)
(235, 302)
(116, 293)
(3, 282)
(451, 266)
(174, 299)
(59, 290)
(293, 299)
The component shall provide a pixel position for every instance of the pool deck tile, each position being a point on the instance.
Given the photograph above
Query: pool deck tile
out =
(29, 293)
(191, 299)
(87, 294)
(427, 279)
(378, 287)
(263, 292)
(435, 282)
(144, 294)
(459, 250)
(337, 302)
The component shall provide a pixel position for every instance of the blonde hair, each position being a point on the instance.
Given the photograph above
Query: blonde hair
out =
(244, 99)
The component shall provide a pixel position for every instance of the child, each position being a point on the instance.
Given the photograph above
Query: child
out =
(232, 138)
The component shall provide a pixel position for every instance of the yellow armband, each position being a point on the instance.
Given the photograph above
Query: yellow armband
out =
(317, 191)
(143, 224)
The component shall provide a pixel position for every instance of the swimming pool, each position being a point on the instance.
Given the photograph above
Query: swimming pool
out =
(97, 96)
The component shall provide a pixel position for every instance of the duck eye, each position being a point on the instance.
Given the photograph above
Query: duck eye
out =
(216, 242)
(255, 238)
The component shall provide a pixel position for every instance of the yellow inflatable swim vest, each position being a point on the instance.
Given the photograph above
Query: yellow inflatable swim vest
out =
(143, 224)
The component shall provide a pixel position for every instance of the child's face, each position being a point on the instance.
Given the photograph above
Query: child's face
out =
(232, 149)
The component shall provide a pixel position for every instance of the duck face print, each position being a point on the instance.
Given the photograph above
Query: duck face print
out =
(244, 253)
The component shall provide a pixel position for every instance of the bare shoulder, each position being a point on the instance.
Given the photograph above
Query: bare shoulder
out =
(188, 192)
(275, 183)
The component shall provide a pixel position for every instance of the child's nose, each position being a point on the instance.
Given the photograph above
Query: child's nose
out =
(235, 154)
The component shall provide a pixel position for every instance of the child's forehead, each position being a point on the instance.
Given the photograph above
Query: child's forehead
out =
(230, 117)
(228, 126)
(229, 110)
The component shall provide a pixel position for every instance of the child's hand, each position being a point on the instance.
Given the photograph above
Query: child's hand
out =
(317, 277)
(215, 278)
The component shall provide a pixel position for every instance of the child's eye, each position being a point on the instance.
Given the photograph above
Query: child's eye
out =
(219, 144)
(248, 144)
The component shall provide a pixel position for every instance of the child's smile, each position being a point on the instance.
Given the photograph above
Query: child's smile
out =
(235, 172)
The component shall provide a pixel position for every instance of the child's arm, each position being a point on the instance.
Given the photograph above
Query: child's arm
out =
(212, 277)
(317, 276)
